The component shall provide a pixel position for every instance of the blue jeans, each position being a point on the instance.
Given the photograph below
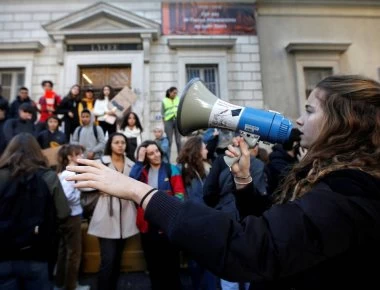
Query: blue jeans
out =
(227, 285)
(26, 275)
(200, 277)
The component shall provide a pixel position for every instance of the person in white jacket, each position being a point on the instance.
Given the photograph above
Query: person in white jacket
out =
(70, 245)
(114, 219)
(132, 129)
(105, 116)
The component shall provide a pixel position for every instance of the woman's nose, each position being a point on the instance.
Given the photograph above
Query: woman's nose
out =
(299, 121)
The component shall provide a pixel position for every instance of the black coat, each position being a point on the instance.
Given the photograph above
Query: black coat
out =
(12, 127)
(67, 105)
(13, 109)
(3, 143)
(327, 239)
(279, 165)
(47, 139)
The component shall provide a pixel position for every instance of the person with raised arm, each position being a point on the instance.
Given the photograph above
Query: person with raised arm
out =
(323, 230)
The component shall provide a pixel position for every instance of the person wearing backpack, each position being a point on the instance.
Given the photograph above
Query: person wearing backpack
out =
(90, 136)
(161, 256)
(32, 203)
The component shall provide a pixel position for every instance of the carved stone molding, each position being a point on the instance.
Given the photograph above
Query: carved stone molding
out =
(35, 46)
(194, 42)
(294, 47)
(146, 39)
(105, 23)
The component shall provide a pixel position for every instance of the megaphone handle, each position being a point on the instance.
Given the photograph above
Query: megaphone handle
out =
(251, 141)
(231, 160)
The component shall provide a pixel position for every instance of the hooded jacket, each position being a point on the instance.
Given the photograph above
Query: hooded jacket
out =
(88, 140)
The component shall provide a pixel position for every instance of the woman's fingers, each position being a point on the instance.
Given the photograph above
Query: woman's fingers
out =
(244, 147)
(92, 163)
(232, 152)
(84, 177)
(83, 169)
(87, 184)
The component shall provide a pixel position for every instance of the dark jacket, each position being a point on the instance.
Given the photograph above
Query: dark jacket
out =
(327, 239)
(3, 143)
(61, 211)
(13, 109)
(4, 105)
(279, 165)
(219, 185)
(47, 139)
(67, 105)
(12, 127)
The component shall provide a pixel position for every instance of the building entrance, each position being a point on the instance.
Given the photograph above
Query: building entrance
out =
(96, 77)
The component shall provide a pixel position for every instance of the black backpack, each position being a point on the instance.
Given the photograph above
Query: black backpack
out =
(27, 217)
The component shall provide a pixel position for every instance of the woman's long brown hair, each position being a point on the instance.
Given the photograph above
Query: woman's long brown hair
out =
(350, 134)
(191, 159)
(23, 155)
(63, 155)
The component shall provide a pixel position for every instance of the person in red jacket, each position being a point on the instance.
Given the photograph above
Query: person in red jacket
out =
(48, 103)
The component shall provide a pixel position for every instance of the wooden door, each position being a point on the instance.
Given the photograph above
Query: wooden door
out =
(97, 77)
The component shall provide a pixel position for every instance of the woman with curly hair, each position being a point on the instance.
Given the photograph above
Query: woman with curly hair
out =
(323, 232)
(195, 167)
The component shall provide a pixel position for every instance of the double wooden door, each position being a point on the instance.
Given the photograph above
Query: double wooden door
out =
(97, 77)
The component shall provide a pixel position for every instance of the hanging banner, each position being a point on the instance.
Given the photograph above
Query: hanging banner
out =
(208, 18)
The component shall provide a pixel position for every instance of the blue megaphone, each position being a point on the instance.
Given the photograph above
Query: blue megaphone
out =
(200, 109)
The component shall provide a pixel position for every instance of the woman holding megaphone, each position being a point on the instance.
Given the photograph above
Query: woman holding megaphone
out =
(324, 229)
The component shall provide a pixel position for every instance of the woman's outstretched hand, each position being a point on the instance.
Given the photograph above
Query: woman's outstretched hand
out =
(96, 175)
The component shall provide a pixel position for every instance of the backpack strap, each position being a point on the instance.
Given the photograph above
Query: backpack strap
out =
(80, 129)
(94, 128)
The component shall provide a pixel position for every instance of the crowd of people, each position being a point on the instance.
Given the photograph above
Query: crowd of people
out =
(92, 130)
(293, 218)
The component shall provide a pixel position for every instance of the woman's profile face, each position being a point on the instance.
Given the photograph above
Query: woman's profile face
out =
(311, 121)
(204, 151)
(173, 93)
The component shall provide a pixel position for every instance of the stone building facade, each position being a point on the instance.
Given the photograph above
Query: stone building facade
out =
(64, 40)
(298, 42)
(305, 40)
